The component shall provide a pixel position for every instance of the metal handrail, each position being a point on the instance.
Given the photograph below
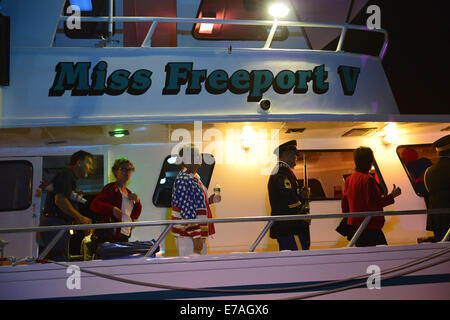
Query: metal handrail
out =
(269, 219)
(274, 23)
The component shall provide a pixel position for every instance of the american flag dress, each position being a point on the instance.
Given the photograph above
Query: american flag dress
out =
(190, 201)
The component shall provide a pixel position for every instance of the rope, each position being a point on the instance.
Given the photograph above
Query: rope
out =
(362, 284)
(270, 290)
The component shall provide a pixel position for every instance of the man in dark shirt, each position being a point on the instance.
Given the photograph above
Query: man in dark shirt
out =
(61, 204)
(286, 198)
(437, 183)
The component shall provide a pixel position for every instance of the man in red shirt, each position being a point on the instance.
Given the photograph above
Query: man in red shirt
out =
(362, 193)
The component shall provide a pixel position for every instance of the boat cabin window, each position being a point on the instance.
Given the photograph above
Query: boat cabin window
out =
(126, 34)
(235, 10)
(415, 160)
(90, 186)
(87, 8)
(16, 187)
(162, 197)
(327, 170)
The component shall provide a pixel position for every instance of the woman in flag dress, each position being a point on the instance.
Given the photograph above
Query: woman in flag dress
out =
(190, 201)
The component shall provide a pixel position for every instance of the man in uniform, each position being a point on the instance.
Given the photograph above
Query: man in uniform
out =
(61, 204)
(286, 198)
(437, 183)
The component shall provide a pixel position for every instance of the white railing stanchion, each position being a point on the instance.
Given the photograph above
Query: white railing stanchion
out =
(271, 34)
(158, 241)
(447, 236)
(51, 244)
(261, 236)
(359, 232)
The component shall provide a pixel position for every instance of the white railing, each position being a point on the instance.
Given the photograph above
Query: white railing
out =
(269, 219)
(273, 23)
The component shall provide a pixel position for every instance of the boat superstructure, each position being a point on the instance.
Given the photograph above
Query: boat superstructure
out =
(172, 83)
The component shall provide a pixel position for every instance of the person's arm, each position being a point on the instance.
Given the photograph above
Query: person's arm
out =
(287, 193)
(137, 208)
(377, 201)
(101, 204)
(66, 207)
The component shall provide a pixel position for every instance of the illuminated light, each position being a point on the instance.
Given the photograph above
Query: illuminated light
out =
(206, 28)
(390, 133)
(172, 160)
(278, 10)
(162, 181)
(247, 137)
(119, 133)
(84, 5)
(71, 232)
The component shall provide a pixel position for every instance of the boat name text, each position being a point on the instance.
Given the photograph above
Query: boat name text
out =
(74, 77)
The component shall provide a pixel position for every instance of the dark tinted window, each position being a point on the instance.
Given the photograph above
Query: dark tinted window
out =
(93, 183)
(88, 8)
(162, 197)
(16, 186)
(416, 159)
(327, 171)
(235, 10)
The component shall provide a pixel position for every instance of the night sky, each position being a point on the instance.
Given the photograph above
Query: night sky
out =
(417, 59)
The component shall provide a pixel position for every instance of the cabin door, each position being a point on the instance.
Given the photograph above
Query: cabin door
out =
(20, 204)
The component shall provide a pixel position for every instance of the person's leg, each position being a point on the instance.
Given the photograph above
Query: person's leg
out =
(287, 243)
(439, 234)
(185, 246)
(305, 239)
(60, 251)
(371, 237)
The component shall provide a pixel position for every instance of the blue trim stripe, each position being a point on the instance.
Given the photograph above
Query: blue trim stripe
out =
(178, 294)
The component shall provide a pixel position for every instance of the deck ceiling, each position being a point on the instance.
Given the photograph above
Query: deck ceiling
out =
(161, 133)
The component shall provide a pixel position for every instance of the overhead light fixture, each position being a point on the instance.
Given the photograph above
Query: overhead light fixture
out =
(119, 133)
(278, 10)
(206, 28)
(390, 133)
(247, 137)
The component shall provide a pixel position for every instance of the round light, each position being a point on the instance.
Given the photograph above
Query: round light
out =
(278, 10)
(119, 133)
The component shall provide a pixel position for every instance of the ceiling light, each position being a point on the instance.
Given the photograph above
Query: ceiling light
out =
(119, 133)
(278, 10)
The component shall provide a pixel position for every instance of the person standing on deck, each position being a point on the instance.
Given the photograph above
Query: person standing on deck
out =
(61, 205)
(437, 183)
(190, 201)
(362, 194)
(286, 198)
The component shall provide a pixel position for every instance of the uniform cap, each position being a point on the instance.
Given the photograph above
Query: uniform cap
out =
(290, 145)
(442, 144)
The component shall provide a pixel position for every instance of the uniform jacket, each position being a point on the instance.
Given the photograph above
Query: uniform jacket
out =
(437, 182)
(361, 194)
(103, 204)
(285, 199)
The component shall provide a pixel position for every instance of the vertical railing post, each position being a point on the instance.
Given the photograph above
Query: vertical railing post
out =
(51, 244)
(447, 236)
(110, 20)
(359, 231)
(342, 38)
(158, 241)
(148, 38)
(261, 235)
(271, 34)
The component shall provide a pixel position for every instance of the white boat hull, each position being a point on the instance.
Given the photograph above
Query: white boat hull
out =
(242, 271)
